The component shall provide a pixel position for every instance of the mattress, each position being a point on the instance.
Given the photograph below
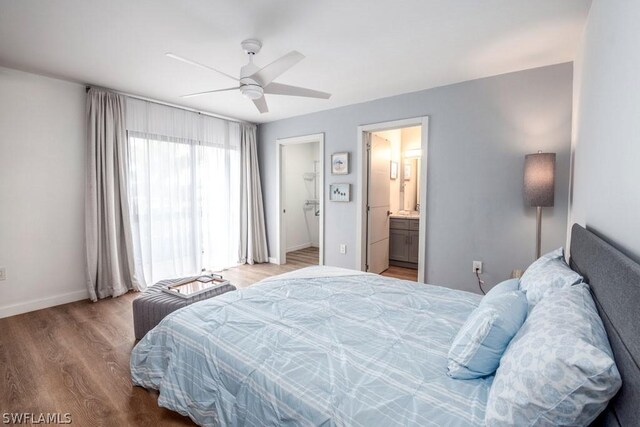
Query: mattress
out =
(349, 349)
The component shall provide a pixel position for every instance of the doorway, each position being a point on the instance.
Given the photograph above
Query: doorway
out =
(300, 201)
(392, 198)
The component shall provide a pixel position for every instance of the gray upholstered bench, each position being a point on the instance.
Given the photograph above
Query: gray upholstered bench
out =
(153, 305)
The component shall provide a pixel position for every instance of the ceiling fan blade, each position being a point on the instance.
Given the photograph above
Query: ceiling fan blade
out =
(209, 91)
(261, 105)
(280, 89)
(268, 73)
(197, 64)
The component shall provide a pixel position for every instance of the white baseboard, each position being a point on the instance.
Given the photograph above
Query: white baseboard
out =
(40, 303)
(298, 247)
(315, 245)
(272, 260)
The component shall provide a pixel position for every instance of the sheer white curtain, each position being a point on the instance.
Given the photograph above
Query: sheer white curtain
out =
(184, 190)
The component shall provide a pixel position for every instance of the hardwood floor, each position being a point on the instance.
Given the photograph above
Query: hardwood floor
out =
(309, 256)
(401, 273)
(74, 358)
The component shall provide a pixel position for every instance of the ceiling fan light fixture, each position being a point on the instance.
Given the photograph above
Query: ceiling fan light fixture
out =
(255, 81)
(251, 91)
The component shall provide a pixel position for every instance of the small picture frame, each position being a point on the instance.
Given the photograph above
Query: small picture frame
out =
(340, 163)
(393, 171)
(340, 192)
(407, 172)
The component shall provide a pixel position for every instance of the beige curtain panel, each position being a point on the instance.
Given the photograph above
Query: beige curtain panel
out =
(253, 237)
(110, 267)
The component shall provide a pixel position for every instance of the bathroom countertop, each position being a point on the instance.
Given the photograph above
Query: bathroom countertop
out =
(412, 215)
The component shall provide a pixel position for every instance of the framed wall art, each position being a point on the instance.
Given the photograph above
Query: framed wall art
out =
(340, 192)
(340, 163)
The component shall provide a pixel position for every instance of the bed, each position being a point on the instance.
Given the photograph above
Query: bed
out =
(615, 286)
(326, 346)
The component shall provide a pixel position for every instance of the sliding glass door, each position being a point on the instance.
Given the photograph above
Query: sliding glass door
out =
(185, 200)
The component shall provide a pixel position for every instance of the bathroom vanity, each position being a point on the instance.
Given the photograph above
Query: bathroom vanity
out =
(404, 232)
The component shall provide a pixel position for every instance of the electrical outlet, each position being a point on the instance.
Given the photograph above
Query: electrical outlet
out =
(477, 266)
(343, 248)
(3, 273)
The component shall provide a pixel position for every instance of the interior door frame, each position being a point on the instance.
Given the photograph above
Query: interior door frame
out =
(362, 190)
(281, 246)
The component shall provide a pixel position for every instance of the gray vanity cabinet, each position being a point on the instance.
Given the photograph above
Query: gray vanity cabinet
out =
(414, 236)
(398, 248)
(404, 234)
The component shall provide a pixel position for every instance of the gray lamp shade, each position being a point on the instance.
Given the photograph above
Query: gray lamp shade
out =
(539, 179)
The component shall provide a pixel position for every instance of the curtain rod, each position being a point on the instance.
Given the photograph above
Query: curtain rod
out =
(168, 104)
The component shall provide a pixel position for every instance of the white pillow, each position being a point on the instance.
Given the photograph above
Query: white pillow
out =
(559, 368)
(548, 273)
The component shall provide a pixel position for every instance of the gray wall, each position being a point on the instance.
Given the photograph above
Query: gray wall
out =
(606, 190)
(479, 133)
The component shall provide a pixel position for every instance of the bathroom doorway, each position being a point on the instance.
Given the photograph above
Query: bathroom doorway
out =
(392, 202)
(300, 200)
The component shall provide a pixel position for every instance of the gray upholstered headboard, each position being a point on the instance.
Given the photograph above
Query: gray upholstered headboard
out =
(615, 284)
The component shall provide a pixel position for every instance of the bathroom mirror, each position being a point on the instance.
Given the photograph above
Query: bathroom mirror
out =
(409, 185)
(418, 171)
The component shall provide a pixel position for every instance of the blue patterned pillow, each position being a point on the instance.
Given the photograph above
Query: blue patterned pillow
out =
(559, 368)
(478, 346)
(546, 274)
(506, 286)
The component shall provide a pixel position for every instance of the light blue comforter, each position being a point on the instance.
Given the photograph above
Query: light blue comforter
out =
(359, 350)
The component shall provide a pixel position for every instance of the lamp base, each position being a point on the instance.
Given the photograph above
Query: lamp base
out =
(538, 230)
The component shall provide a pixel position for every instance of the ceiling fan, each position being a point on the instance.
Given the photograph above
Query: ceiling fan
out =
(255, 82)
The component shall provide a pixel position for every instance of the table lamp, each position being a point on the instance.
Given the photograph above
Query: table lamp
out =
(539, 186)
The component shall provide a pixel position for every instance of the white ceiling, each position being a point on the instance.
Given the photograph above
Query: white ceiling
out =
(356, 50)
